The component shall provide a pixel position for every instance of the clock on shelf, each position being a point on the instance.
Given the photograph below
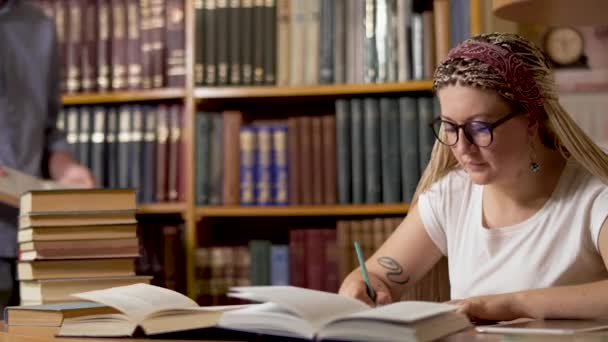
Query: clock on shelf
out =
(565, 47)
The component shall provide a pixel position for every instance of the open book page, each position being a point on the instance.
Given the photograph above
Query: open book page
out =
(402, 312)
(139, 300)
(316, 307)
(268, 318)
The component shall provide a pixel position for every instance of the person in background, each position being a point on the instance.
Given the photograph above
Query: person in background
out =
(515, 195)
(29, 105)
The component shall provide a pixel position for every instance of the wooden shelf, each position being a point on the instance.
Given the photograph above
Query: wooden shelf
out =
(162, 208)
(312, 210)
(310, 91)
(124, 96)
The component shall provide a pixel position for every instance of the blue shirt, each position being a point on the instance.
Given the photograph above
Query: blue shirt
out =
(29, 100)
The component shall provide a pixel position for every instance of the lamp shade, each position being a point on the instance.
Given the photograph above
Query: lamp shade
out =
(553, 12)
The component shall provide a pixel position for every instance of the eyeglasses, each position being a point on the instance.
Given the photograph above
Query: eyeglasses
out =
(479, 133)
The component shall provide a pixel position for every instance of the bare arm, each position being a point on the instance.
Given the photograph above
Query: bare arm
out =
(402, 260)
(582, 301)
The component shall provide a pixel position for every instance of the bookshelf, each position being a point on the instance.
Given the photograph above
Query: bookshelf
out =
(303, 210)
(220, 93)
(192, 97)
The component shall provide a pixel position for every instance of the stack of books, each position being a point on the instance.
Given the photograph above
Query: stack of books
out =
(75, 240)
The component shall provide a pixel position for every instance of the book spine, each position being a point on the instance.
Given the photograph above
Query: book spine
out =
(327, 41)
(371, 53)
(408, 144)
(158, 28)
(173, 176)
(119, 44)
(89, 47)
(104, 47)
(112, 146)
(306, 160)
(247, 34)
(328, 126)
(234, 17)
(134, 67)
(425, 135)
(263, 165)
(390, 158)
(202, 157)
(84, 133)
(317, 160)
(270, 41)
(343, 145)
(311, 28)
(280, 173)
(373, 173)
(175, 43)
(216, 151)
(231, 126)
(74, 45)
(222, 27)
(293, 131)
(357, 152)
(260, 262)
(339, 45)
(124, 142)
(248, 165)
(150, 145)
(258, 41)
(162, 134)
(97, 146)
(279, 265)
(199, 43)
(136, 169)
(283, 41)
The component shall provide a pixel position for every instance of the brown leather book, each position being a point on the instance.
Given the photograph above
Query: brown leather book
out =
(104, 248)
(58, 269)
(104, 73)
(231, 127)
(74, 42)
(175, 43)
(88, 56)
(293, 148)
(317, 161)
(329, 159)
(157, 25)
(119, 44)
(145, 34)
(134, 67)
(306, 160)
(345, 248)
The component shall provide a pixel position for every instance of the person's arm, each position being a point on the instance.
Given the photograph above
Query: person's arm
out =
(401, 261)
(584, 301)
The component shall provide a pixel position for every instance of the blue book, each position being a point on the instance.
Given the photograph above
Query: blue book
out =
(263, 165)
(279, 265)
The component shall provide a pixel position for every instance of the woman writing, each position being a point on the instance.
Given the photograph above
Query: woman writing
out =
(515, 195)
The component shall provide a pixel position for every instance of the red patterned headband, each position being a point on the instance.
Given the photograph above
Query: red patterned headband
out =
(512, 70)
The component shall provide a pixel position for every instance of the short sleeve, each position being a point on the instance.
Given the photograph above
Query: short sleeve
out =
(599, 213)
(429, 204)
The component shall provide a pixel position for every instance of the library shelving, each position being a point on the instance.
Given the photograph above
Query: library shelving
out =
(192, 97)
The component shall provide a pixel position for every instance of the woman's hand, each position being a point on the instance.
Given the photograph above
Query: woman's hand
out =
(500, 307)
(354, 286)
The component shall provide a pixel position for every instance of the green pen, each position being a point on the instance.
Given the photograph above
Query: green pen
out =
(370, 290)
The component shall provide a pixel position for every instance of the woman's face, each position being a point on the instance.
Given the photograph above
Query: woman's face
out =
(507, 156)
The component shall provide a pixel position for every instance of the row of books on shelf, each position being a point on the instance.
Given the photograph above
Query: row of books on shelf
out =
(130, 146)
(315, 258)
(370, 151)
(119, 44)
(294, 42)
(75, 240)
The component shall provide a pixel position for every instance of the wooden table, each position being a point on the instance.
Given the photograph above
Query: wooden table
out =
(44, 334)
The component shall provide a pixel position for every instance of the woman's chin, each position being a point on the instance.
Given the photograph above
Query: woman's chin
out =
(479, 177)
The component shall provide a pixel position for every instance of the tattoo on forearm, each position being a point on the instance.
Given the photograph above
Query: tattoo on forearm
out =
(395, 271)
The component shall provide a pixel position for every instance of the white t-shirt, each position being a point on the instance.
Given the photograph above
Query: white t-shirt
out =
(556, 246)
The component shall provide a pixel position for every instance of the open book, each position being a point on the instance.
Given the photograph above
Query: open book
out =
(15, 183)
(303, 313)
(153, 309)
